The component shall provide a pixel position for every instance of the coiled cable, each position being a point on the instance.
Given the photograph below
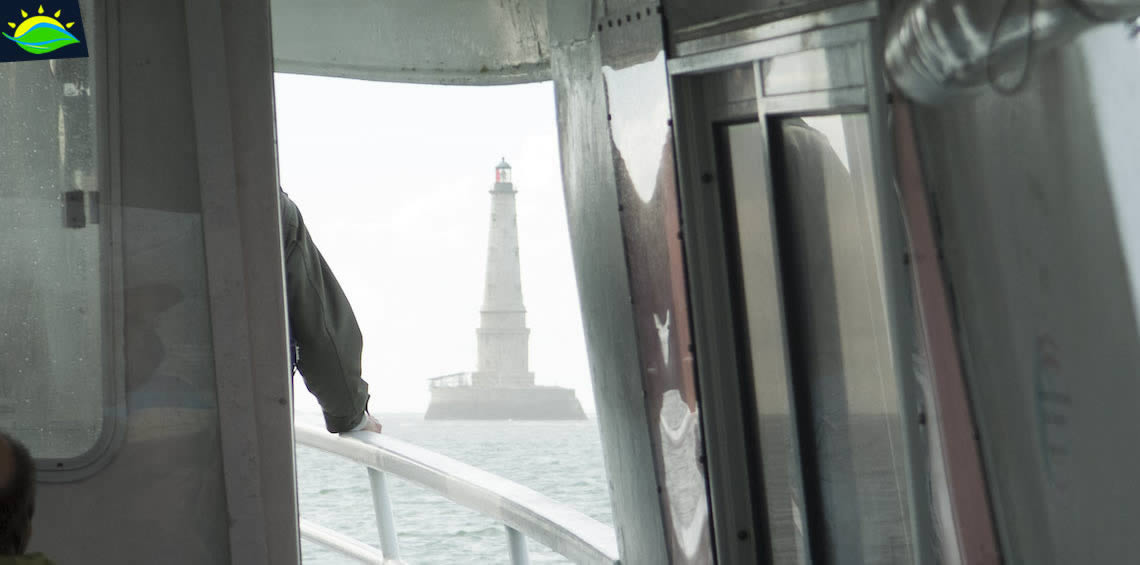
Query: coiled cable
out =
(1081, 7)
(1026, 69)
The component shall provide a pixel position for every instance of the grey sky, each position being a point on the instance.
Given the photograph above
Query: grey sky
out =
(392, 180)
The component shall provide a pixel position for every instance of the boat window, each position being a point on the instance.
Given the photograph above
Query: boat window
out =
(57, 375)
(830, 255)
(465, 292)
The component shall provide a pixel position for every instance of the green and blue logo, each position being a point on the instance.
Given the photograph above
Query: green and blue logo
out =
(38, 33)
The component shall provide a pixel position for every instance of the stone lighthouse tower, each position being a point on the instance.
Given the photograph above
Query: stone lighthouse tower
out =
(503, 338)
(501, 387)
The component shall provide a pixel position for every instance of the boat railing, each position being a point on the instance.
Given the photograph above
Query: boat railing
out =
(524, 513)
(452, 380)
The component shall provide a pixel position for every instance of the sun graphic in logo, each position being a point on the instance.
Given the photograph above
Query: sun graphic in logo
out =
(40, 34)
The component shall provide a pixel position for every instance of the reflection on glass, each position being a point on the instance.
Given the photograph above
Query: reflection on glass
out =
(841, 356)
(51, 350)
(815, 69)
(741, 144)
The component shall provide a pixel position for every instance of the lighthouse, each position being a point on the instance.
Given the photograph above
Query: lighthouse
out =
(501, 387)
(503, 338)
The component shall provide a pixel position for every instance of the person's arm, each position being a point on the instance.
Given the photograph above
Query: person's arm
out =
(324, 327)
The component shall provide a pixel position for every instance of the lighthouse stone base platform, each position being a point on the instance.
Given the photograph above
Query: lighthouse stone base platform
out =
(504, 403)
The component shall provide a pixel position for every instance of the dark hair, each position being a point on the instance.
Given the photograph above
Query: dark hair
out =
(17, 498)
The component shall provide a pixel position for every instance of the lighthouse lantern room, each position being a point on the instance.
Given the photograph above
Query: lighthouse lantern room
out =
(503, 172)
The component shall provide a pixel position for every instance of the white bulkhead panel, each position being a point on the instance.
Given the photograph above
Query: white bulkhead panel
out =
(487, 41)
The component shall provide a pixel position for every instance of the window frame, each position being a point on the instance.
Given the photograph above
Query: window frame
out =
(103, 49)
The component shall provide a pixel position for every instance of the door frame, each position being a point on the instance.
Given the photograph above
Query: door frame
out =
(846, 40)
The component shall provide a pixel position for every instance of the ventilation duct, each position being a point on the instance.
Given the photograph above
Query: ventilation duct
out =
(938, 48)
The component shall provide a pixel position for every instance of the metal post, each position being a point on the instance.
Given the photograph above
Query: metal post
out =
(384, 521)
(517, 543)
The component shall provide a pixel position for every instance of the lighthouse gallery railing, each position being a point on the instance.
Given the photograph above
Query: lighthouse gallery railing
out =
(523, 512)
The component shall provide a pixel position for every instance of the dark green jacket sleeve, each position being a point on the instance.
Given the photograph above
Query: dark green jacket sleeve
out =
(323, 327)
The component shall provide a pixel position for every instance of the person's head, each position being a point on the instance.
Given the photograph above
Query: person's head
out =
(17, 495)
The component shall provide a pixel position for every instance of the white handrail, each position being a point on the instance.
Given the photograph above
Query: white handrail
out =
(342, 544)
(564, 530)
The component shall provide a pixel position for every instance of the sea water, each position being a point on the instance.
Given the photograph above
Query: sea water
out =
(562, 460)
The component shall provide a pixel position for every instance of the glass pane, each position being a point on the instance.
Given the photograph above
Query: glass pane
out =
(51, 312)
(741, 144)
(817, 69)
(841, 355)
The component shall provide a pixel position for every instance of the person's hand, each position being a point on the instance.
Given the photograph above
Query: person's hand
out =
(371, 424)
(367, 424)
